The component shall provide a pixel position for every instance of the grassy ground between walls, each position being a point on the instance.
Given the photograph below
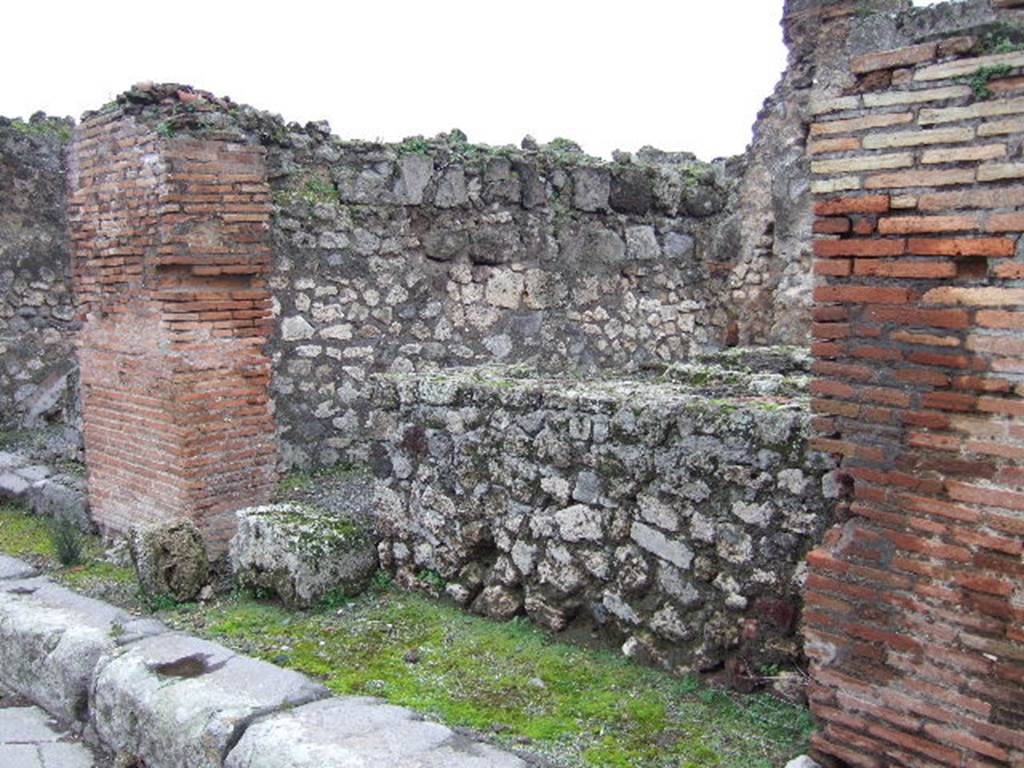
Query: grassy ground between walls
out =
(570, 706)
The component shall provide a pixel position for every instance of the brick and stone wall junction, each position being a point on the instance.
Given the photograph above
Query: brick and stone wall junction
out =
(170, 250)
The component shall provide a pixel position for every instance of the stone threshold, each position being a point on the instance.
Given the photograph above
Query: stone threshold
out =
(161, 698)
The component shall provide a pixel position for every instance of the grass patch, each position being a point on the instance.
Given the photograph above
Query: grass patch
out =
(299, 482)
(31, 538)
(578, 706)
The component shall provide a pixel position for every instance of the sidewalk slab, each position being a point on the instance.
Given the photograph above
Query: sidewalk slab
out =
(357, 732)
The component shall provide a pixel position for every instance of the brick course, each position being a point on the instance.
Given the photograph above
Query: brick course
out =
(170, 251)
(915, 602)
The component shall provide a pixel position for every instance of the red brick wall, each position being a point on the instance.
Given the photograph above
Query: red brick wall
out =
(915, 606)
(170, 255)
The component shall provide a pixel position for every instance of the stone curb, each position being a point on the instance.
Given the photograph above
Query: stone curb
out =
(168, 699)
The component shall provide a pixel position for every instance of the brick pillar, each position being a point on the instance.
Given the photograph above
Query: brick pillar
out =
(170, 250)
(915, 606)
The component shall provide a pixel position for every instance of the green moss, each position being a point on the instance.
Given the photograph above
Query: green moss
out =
(299, 481)
(294, 481)
(95, 573)
(55, 128)
(29, 537)
(312, 188)
(590, 708)
(23, 535)
(695, 174)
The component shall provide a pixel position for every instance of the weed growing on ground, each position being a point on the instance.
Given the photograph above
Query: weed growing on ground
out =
(31, 538)
(68, 542)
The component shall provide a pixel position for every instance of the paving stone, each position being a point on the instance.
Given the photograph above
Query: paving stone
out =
(19, 756)
(18, 724)
(30, 737)
(173, 700)
(65, 755)
(351, 732)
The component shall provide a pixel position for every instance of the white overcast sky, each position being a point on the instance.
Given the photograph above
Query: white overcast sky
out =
(677, 74)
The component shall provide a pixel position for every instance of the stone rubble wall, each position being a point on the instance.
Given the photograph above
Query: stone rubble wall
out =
(438, 253)
(916, 602)
(649, 512)
(37, 380)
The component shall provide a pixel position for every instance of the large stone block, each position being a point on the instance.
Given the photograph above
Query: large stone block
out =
(171, 701)
(170, 559)
(301, 552)
(12, 568)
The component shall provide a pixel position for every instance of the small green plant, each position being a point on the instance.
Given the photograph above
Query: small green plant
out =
(382, 581)
(433, 580)
(319, 190)
(1005, 45)
(158, 603)
(979, 81)
(165, 129)
(562, 144)
(1001, 37)
(414, 145)
(61, 130)
(68, 542)
(865, 10)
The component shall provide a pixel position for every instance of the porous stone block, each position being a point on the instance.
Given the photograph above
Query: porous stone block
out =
(173, 700)
(302, 552)
(51, 640)
(170, 559)
(350, 732)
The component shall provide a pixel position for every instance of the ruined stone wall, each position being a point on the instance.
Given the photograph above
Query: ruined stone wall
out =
(36, 313)
(669, 515)
(425, 255)
(433, 253)
(916, 602)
